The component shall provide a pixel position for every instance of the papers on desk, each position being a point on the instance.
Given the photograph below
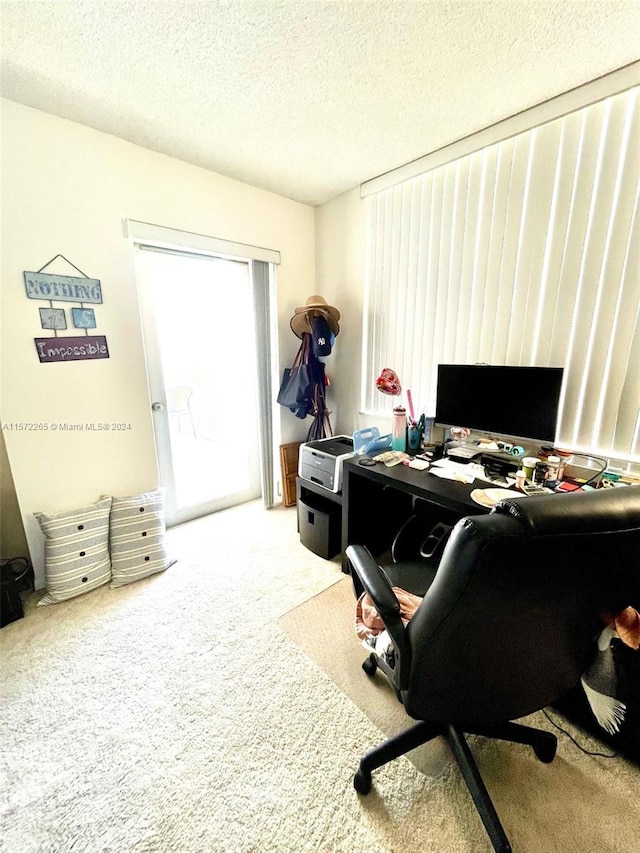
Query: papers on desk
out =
(450, 470)
(460, 471)
(419, 464)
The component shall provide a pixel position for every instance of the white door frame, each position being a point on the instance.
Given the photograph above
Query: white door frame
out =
(262, 272)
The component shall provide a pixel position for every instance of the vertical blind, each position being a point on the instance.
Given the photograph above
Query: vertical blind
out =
(524, 253)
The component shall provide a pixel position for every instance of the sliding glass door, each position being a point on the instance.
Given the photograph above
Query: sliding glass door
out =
(199, 326)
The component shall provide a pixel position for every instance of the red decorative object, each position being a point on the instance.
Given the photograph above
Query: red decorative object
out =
(388, 382)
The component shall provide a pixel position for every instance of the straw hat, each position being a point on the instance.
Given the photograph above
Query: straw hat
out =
(318, 302)
(315, 305)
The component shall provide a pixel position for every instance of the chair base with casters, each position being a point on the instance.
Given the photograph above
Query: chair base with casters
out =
(544, 745)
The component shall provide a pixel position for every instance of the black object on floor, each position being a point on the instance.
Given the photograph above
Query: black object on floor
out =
(16, 574)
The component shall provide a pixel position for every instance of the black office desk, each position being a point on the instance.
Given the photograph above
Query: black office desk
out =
(377, 500)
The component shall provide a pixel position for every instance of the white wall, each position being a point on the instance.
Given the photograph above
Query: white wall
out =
(67, 189)
(340, 276)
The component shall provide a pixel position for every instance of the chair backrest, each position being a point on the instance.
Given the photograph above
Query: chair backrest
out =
(518, 601)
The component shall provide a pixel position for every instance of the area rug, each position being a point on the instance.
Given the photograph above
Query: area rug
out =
(324, 628)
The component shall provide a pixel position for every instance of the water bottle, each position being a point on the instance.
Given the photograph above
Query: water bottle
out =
(399, 429)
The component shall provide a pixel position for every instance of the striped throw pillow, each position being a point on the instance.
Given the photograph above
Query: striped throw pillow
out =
(137, 537)
(76, 550)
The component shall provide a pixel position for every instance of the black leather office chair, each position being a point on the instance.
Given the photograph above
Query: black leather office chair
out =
(507, 625)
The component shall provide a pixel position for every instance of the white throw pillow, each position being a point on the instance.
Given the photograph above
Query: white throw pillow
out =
(76, 550)
(137, 537)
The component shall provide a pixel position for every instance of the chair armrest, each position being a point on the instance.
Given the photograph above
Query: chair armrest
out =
(374, 581)
(384, 599)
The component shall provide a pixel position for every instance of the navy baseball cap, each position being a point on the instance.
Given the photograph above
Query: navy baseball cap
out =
(321, 337)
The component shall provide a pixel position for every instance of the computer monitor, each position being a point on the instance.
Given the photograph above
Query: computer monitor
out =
(518, 402)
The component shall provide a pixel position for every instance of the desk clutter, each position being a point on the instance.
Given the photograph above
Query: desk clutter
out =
(498, 462)
(490, 497)
(481, 473)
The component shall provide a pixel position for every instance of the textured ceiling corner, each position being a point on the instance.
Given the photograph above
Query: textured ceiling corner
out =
(306, 99)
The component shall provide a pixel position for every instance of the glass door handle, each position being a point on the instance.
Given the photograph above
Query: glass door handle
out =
(157, 407)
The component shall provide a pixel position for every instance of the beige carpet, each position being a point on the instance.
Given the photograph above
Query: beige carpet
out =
(176, 716)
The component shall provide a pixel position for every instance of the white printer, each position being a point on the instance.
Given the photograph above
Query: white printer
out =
(321, 461)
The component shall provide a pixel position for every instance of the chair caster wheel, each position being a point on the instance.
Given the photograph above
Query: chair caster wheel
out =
(362, 782)
(545, 749)
(370, 665)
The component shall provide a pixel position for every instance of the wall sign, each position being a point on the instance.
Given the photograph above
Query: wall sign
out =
(78, 348)
(83, 318)
(66, 288)
(52, 318)
(62, 288)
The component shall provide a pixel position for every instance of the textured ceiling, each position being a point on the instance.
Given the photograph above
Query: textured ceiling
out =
(304, 97)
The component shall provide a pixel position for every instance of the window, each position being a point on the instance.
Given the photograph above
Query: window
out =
(525, 252)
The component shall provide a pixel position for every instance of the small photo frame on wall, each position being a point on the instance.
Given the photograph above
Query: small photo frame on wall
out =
(53, 318)
(84, 318)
